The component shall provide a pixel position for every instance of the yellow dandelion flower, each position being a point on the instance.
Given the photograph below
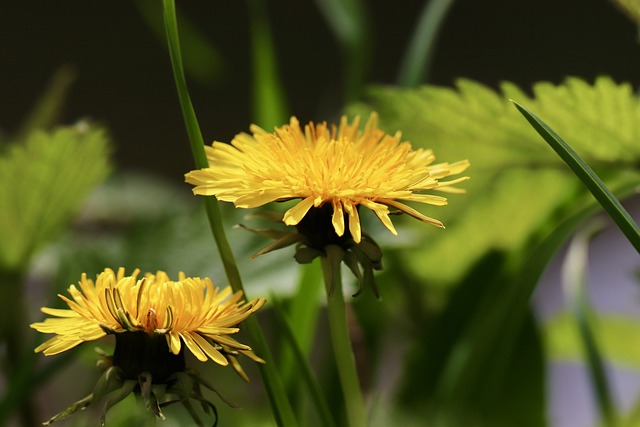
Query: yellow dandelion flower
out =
(339, 166)
(190, 311)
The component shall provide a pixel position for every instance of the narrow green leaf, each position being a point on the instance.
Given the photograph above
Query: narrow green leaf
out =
(47, 111)
(301, 362)
(574, 284)
(416, 63)
(275, 389)
(303, 316)
(269, 104)
(589, 178)
(349, 22)
(202, 61)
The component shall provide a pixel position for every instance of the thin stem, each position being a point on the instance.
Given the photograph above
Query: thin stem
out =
(343, 353)
(275, 389)
(12, 331)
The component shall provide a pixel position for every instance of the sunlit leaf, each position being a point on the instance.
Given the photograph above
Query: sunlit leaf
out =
(518, 185)
(43, 182)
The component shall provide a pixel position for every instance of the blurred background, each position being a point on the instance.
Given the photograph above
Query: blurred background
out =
(123, 78)
(113, 61)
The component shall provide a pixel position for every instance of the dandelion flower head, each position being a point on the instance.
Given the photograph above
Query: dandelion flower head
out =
(190, 311)
(338, 165)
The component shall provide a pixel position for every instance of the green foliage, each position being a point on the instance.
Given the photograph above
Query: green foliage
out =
(589, 178)
(518, 186)
(42, 185)
(269, 101)
(613, 333)
(202, 60)
(631, 8)
(483, 353)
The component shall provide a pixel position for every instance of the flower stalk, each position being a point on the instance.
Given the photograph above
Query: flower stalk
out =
(340, 340)
(275, 389)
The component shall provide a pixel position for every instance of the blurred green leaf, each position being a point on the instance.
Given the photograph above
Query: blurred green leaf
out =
(631, 8)
(269, 101)
(42, 185)
(518, 185)
(416, 63)
(47, 110)
(480, 361)
(349, 21)
(300, 361)
(613, 332)
(202, 61)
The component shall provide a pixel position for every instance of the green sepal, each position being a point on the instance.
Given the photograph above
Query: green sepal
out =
(150, 393)
(80, 405)
(335, 255)
(114, 398)
(283, 242)
(269, 233)
(305, 254)
(368, 265)
(112, 379)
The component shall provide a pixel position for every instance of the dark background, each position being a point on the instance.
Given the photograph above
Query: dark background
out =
(124, 78)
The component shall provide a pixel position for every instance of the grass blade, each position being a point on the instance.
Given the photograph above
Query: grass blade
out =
(269, 104)
(589, 178)
(302, 363)
(275, 389)
(417, 59)
(348, 21)
(303, 316)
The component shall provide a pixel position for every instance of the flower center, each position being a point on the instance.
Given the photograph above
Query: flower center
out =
(317, 227)
(138, 352)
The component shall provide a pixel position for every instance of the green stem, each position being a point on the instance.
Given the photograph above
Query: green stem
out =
(343, 353)
(275, 389)
(13, 330)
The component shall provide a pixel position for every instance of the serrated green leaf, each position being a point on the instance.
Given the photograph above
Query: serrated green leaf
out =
(518, 185)
(42, 184)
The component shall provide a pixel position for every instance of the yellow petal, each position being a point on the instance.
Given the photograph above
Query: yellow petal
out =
(354, 221)
(338, 217)
(294, 215)
(382, 212)
(191, 345)
(173, 341)
(210, 351)
(414, 213)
